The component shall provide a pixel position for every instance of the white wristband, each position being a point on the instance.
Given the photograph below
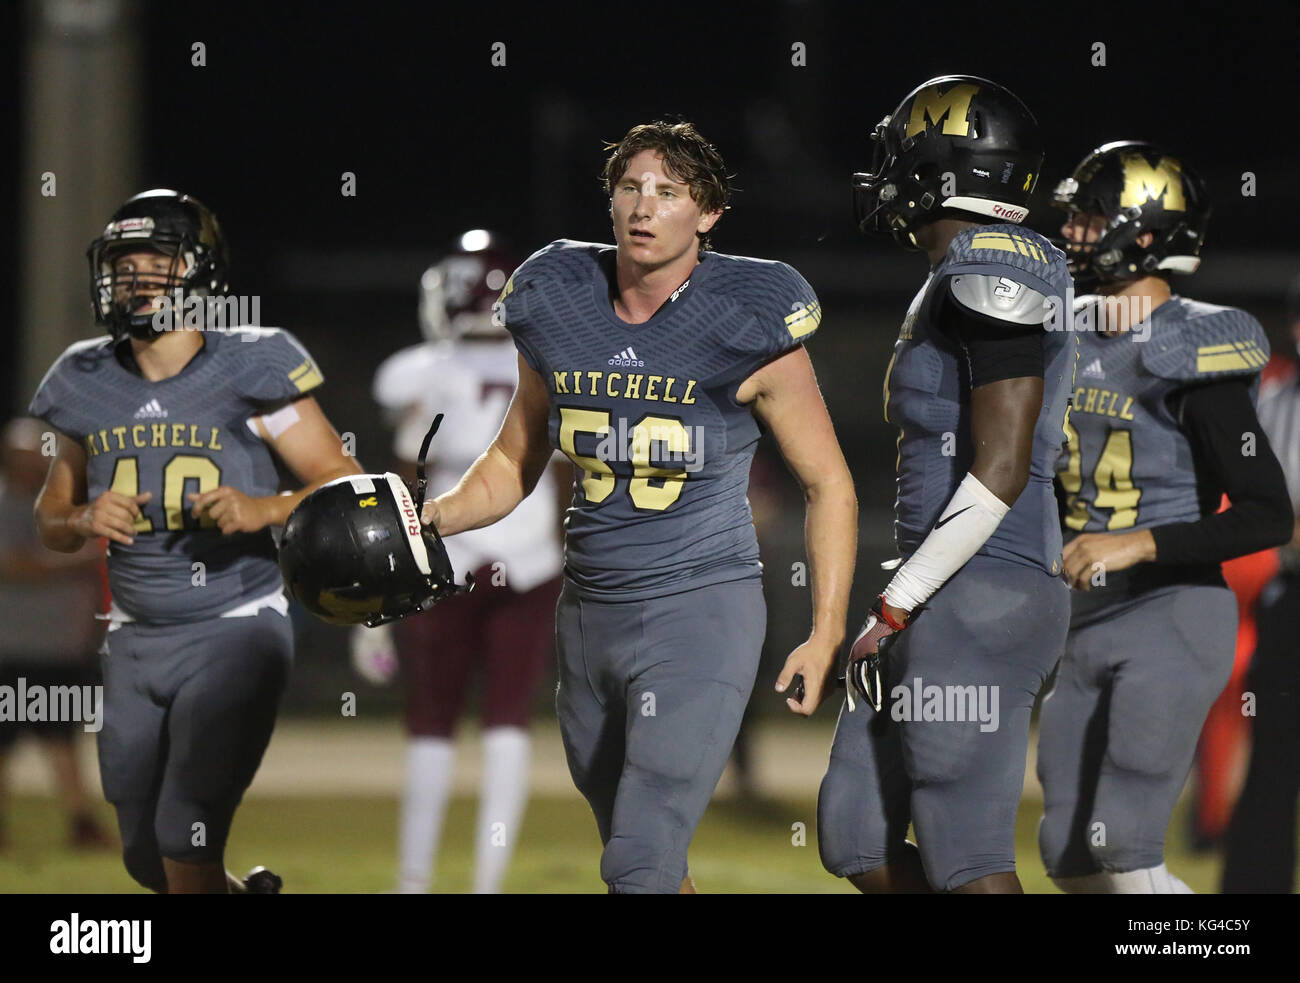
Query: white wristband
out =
(964, 526)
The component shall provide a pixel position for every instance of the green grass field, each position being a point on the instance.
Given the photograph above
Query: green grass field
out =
(348, 845)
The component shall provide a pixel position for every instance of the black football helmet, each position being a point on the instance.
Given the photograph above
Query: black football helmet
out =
(355, 552)
(457, 293)
(166, 222)
(1137, 188)
(957, 143)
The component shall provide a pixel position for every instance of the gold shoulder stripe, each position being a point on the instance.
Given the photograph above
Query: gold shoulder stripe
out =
(1008, 243)
(1029, 249)
(1230, 357)
(993, 240)
(306, 376)
(804, 321)
(1221, 363)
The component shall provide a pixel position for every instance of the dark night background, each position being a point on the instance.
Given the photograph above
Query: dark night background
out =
(295, 94)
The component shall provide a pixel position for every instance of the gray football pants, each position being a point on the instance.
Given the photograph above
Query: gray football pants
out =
(188, 713)
(947, 751)
(1118, 729)
(650, 699)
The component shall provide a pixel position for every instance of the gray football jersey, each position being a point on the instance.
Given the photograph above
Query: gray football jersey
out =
(649, 412)
(180, 435)
(1128, 464)
(927, 396)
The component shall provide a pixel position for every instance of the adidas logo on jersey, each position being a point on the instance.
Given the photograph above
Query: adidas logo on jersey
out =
(151, 410)
(626, 359)
(1094, 370)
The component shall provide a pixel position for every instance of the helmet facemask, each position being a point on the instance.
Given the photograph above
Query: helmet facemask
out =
(169, 224)
(889, 198)
(129, 301)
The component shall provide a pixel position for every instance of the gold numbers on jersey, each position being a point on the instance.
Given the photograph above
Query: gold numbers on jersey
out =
(126, 481)
(598, 477)
(1072, 478)
(657, 497)
(1114, 482)
(179, 470)
(1112, 477)
(652, 489)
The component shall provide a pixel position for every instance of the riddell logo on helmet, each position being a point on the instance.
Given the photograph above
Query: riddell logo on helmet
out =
(408, 513)
(1011, 212)
(129, 227)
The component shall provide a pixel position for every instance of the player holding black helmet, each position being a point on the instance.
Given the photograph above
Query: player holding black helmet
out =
(165, 441)
(354, 552)
(654, 364)
(1162, 424)
(977, 386)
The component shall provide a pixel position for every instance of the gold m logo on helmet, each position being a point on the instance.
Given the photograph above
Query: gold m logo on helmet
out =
(1143, 183)
(953, 104)
(368, 503)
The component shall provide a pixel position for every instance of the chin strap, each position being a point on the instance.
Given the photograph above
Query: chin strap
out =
(421, 486)
(421, 481)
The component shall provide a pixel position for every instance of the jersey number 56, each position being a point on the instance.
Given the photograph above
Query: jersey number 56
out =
(651, 489)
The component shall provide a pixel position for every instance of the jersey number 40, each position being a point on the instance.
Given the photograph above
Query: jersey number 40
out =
(179, 470)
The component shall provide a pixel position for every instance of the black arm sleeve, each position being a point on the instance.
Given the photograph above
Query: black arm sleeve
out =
(995, 350)
(1216, 418)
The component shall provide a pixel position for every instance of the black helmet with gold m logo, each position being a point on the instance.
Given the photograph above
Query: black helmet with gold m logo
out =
(1137, 188)
(955, 144)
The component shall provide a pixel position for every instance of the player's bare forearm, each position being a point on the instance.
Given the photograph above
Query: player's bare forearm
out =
(786, 399)
(63, 517)
(490, 490)
(1003, 417)
(507, 472)
(831, 541)
(278, 507)
(311, 448)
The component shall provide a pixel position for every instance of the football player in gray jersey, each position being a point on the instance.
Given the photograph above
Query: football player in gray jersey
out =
(936, 725)
(165, 441)
(652, 364)
(1162, 424)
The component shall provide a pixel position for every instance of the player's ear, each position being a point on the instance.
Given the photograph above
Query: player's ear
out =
(707, 221)
(1145, 239)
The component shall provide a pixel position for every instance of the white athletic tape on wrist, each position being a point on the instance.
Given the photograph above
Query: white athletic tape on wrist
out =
(964, 526)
